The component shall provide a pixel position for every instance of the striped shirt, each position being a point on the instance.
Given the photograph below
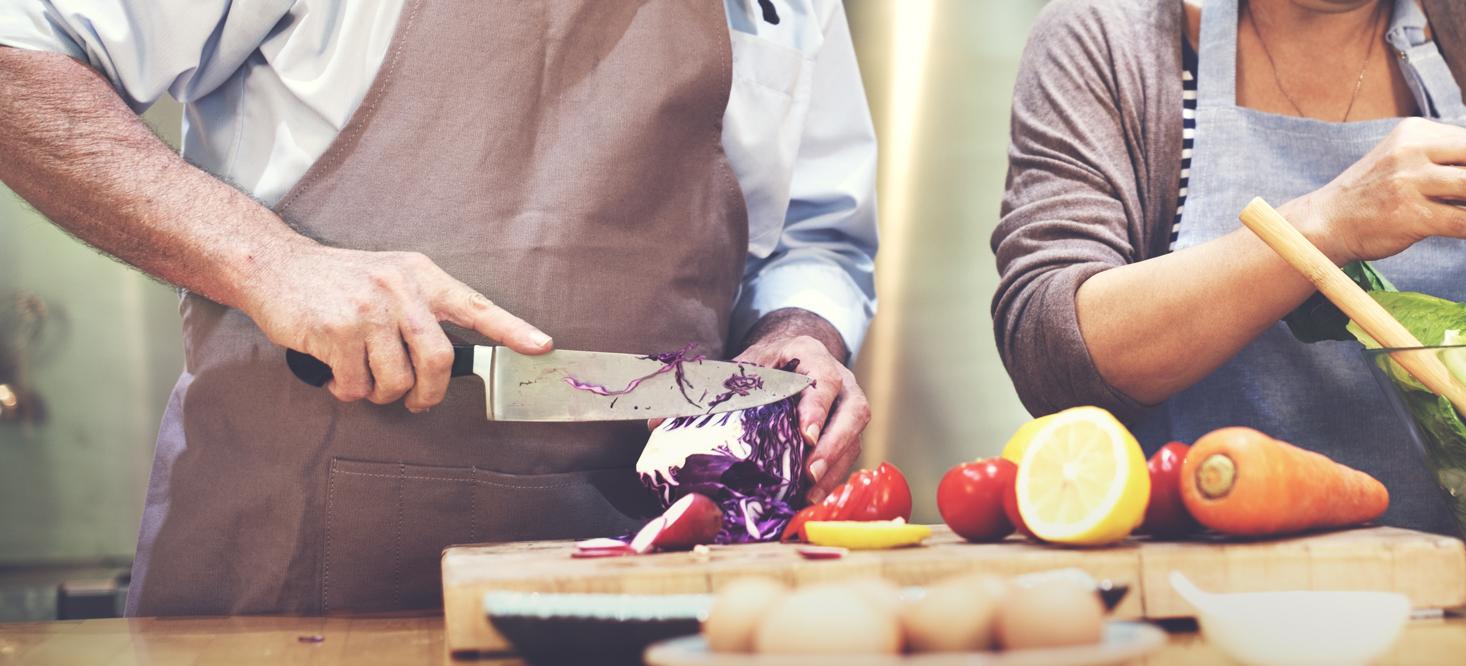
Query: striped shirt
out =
(1188, 130)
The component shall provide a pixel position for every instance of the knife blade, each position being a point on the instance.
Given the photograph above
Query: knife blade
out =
(569, 385)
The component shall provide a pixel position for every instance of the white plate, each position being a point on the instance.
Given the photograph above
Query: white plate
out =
(1124, 642)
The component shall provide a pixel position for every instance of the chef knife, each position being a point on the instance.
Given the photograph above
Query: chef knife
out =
(544, 387)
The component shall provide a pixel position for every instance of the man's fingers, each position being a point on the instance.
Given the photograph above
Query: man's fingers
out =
(350, 378)
(652, 424)
(832, 413)
(759, 356)
(836, 472)
(830, 378)
(840, 443)
(392, 374)
(432, 361)
(467, 308)
(815, 403)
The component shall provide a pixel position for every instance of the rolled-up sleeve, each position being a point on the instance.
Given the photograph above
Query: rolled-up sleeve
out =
(1068, 212)
(146, 48)
(824, 260)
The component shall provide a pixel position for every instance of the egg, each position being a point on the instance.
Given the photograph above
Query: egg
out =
(878, 591)
(736, 612)
(829, 618)
(1053, 613)
(956, 615)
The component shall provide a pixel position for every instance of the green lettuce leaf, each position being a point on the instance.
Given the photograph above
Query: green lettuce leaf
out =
(1428, 317)
(1318, 320)
(1433, 321)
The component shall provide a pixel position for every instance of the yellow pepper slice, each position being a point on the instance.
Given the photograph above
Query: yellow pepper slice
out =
(865, 534)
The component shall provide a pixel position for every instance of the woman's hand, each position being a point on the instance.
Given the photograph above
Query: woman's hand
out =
(1410, 187)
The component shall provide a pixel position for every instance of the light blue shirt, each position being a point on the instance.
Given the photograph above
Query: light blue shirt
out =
(267, 85)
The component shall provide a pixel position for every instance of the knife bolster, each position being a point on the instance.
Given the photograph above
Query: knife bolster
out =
(483, 366)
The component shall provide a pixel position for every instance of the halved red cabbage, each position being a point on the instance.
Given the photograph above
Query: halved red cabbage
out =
(751, 462)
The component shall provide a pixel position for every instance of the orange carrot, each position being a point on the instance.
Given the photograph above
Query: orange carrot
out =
(1240, 481)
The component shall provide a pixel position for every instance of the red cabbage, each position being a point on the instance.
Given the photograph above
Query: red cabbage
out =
(750, 462)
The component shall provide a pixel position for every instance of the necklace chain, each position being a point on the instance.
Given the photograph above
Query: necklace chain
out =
(1358, 81)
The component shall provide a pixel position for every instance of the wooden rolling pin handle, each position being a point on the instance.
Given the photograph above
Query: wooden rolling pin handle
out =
(1303, 255)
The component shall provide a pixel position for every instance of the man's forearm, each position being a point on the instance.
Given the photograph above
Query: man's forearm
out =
(793, 322)
(77, 153)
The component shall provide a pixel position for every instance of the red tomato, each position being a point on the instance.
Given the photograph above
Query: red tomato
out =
(1010, 507)
(1166, 514)
(970, 498)
(879, 494)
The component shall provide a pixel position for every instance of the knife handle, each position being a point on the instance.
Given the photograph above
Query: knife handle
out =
(315, 372)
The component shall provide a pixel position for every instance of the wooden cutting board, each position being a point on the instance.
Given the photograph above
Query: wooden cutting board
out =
(1429, 569)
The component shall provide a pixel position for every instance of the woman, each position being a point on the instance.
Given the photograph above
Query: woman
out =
(1127, 280)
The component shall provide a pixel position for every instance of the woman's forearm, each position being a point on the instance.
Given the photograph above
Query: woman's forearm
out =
(1158, 326)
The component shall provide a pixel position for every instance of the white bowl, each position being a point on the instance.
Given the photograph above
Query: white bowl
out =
(1298, 628)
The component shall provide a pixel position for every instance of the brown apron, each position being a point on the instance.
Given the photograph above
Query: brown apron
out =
(564, 158)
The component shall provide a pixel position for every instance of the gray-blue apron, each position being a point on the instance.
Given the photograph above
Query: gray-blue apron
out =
(1319, 396)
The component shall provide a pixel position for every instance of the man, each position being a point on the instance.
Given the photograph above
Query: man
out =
(599, 168)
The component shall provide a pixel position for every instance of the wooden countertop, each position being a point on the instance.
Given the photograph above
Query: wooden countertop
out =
(419, 640)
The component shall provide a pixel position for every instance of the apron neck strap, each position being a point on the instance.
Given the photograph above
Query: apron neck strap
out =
(1217, 54)
(1434, 86)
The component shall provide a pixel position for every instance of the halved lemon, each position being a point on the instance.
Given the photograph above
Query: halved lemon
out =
(1013, 450)
(1083, 479)
(865, 534)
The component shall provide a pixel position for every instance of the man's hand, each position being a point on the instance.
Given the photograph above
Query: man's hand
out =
(834, 411)
(76, 152)
(374, 318)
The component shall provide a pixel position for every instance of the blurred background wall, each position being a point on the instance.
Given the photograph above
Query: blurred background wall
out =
(102, 358)
(96, 346)
(938, 73)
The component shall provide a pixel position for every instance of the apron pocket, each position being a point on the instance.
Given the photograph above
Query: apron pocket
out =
(387, 523)
(386, 526)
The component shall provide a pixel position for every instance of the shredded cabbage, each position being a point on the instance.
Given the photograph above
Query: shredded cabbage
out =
(671, 362)
(739, 384)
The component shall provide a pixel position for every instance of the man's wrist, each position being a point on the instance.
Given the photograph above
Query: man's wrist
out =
(257, 271)
(790, 323)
